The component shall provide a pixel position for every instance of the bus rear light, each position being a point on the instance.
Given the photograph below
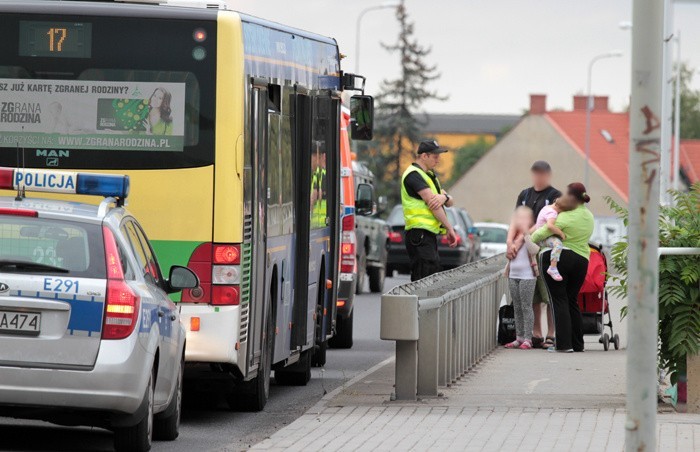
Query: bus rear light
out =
(340, 303)
(194, 323)
(226, 254)
(226, 274)
(121, 304)
(225, 295)
(395, 237)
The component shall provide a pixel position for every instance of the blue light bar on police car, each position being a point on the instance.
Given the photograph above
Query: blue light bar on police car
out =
(48, 181)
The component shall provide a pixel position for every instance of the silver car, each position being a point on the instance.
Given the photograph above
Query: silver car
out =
(88, 335)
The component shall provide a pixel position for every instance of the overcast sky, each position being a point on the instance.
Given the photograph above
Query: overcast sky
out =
(492, 53)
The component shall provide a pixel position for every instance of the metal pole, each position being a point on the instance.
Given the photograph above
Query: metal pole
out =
(667, 105)
(677, 118)
(359, 23)
(642, 264)
(589, 107)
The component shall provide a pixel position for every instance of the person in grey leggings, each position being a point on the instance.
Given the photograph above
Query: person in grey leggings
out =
(522, 292)
(522, 279)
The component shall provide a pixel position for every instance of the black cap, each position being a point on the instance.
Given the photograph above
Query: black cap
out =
(541, 166)
(430, 147)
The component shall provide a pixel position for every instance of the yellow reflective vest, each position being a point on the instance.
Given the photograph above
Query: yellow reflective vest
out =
(416, 212)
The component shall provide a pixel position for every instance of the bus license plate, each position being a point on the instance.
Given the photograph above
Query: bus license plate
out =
(20, 322)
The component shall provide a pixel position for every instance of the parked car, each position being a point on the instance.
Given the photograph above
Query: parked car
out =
(449, 257)
(493, 238)
(472, 235)
(370, 229)
(88, 334)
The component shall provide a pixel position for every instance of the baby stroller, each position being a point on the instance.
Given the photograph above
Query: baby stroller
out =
(593, 300)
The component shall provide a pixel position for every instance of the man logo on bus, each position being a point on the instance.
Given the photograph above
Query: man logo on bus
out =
(4, 287)
(52, 156)
(52, 153)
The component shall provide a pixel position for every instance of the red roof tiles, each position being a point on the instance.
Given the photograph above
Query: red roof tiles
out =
(609, 145)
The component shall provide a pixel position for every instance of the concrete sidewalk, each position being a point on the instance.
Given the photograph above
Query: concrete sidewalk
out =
(513, 400)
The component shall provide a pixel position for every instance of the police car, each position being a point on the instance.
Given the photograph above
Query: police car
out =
(88, 335)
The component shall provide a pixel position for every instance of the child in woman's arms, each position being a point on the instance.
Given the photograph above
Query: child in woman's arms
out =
(548, 216)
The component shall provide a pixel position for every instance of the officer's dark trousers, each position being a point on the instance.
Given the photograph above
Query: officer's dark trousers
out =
(422, 251)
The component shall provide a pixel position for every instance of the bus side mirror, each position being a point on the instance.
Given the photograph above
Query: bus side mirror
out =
(364, 201)
(362, 118)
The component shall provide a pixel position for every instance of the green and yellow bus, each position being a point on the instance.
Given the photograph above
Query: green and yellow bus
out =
(228, 127)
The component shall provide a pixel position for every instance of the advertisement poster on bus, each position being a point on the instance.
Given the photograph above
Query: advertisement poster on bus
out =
(67, 114)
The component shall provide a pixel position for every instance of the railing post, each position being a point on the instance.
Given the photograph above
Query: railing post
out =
(428, 349)
(406, 370)
(442, 352)
(399, 322)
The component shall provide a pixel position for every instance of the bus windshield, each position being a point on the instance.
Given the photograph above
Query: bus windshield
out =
(103, 92)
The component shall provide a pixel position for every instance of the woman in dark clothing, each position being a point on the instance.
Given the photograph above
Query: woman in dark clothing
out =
(577, 226)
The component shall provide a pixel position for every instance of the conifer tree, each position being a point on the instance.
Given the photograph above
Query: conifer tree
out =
(397, 127)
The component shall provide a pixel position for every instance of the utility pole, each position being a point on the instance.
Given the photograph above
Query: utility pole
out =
(677, 117)
(642, 261)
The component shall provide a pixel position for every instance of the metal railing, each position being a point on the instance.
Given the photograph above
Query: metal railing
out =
(443, 325)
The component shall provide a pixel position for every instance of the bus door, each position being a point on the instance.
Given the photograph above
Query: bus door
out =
(301, 157)
(256, 202)
(328, 108)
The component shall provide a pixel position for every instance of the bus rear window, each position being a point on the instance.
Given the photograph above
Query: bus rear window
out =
(138, 100)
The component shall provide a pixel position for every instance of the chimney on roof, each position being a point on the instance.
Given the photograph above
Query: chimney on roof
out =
(580, 102)
(600, 103)
(538, 104)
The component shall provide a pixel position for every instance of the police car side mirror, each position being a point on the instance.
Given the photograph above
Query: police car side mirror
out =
(181, 278)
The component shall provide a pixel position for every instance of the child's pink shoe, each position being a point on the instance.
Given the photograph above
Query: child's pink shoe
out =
(554, 273)
(515, 344)
(526, 345)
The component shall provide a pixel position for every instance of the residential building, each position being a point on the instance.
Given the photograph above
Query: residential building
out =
(489, 189)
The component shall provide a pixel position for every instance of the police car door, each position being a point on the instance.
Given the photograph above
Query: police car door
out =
(158, 309)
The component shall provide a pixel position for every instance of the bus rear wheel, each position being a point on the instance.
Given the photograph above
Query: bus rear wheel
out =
(253, 395)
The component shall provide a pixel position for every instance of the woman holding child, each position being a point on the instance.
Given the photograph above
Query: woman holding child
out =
(567, 263)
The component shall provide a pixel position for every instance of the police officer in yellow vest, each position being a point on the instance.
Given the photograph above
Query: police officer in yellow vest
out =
(424, 203)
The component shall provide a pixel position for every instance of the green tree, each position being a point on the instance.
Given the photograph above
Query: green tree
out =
(397, 128)
(690, 105)
(466, 156)
(679, 294)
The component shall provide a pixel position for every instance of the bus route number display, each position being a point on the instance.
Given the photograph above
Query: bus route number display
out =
(55, 39)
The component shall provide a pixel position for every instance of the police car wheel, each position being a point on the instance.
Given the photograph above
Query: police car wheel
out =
(137, 438)
(167, 426)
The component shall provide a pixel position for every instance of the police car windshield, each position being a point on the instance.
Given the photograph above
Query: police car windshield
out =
(45, 246)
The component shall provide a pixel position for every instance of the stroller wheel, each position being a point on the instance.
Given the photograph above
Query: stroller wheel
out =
(616, 342)
(606, 341)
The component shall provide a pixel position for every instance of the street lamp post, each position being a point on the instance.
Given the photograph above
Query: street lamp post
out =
(677, 117)
(384, 5)
(589, 107)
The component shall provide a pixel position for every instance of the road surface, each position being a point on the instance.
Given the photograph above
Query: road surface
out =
(211, 427)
